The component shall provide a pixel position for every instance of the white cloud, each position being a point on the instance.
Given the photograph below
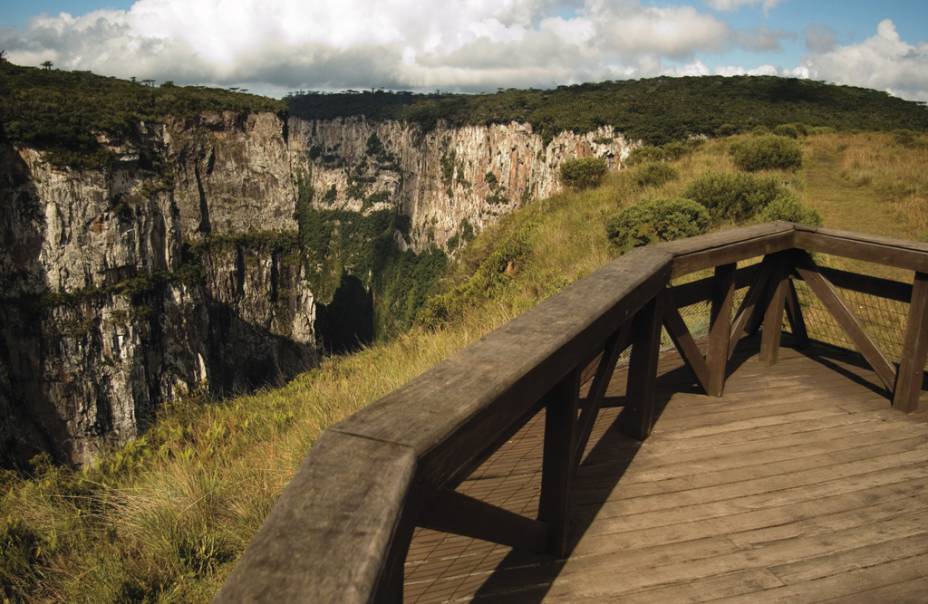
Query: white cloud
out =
(272, 46)
(281, 44)
(884, 61)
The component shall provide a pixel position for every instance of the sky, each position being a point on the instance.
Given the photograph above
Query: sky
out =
(275, 46)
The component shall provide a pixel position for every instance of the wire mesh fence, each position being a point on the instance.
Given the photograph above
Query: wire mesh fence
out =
(882, 319)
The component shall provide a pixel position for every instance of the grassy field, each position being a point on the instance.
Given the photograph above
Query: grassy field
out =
(165, 517)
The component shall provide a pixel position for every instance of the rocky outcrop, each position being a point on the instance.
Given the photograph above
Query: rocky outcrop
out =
(178, 269)
(115, 300)
(443, 178)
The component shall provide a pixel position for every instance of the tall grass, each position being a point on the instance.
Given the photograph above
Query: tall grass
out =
(165, 517)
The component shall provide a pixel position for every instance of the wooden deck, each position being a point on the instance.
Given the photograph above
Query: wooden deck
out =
(801, 484)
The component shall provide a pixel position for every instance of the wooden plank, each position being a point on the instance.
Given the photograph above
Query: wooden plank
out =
(854, 480)
(912, 591)
(914, 350)
(752, 300)
(830, 299)
(559, 462)
(594, 399)
(773, 316)
(340, 512)
(794, 315)
(723, 293)
(685, 344)
(867, 284)
(841, 584)
(870, 248)
(637, 418)
(725, 247)
(694, 292)
(461, 514)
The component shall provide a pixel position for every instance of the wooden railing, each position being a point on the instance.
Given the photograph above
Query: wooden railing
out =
(341, 529)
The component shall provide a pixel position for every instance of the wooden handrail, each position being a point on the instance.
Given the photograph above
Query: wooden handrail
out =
(341, 528)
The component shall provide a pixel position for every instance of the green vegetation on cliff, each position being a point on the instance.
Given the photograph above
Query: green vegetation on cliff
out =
(63, 111)
(655, 110)
(339, 243)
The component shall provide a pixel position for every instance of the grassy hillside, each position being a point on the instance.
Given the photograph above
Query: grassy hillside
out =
(165, 517)
(655, 110)
(62, 111)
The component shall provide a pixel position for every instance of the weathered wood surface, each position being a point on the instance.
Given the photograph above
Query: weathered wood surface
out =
(701, 290)
(799, 484)
(910, 376)
(868, 284)
(773, 316)
(350, 486)
(723, 297)
(725, 247)
(899, 253)
(449, 415)
(687, 347)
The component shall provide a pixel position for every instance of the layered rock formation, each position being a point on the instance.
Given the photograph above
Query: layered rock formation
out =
(179, 268)
(442, 179)
(127, 287)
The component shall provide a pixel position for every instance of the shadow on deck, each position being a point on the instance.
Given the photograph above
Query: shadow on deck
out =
(799, 485)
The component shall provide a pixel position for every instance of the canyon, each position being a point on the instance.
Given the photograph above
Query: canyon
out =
(181, 269)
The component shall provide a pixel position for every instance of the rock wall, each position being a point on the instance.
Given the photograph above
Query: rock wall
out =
(443, 178)
(127, 287)
(178, 269)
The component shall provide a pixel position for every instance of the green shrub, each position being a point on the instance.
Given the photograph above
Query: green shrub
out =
(495, 272)
(769, 152)
(679, 149)
(788, 207)
(760, 130)
(657, 220)
(788, 130)
(583, 172)
(671, 151)
(647, 153)
(734, 197)
(653, 174)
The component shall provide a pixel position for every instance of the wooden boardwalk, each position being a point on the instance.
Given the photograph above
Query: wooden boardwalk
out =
(801, 484)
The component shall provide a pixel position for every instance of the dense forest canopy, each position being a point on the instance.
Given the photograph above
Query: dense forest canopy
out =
(656, 110)
(61, 111)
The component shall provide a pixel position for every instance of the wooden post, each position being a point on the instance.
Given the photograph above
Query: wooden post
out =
(723, 293)
(773, 316)
(914, 349)
(638, 416)
(558, 462)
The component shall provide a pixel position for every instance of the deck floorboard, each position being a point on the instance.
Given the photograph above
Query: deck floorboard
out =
(800, 484)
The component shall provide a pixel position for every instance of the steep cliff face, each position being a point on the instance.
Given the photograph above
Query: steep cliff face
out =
(188, 265)
(231, 173)
(448, 181)
(127, 287)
